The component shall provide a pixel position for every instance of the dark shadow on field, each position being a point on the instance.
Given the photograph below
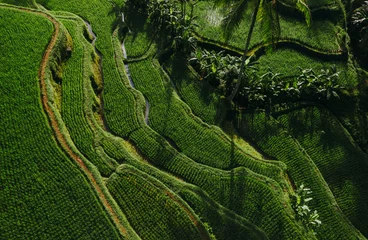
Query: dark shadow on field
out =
(135, 20)
(225, 223)
(342, 164)
(180, 73)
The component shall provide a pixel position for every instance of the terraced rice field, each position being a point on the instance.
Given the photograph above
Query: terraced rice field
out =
(106, 134)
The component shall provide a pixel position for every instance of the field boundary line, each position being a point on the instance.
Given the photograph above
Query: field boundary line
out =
(340, 53)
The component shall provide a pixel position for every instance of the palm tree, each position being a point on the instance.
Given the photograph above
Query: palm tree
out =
(265, 11)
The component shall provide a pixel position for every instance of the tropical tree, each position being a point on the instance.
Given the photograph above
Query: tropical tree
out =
(265, 12)
(218, 69)
(360, 29)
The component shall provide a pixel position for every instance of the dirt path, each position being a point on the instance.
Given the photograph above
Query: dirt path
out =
(60, 136)
(55, 126)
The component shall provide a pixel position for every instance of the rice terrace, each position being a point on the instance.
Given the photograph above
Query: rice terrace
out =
(184, 119)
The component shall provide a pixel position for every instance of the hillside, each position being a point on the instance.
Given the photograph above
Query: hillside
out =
(128, 120)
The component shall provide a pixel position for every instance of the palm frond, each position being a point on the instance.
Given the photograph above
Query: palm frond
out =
(302, 6)
(222, 3)
(270, 24)
(234, 17)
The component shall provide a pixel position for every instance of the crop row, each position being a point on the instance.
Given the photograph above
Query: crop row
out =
(73, 100)
(322, 35)
(224, 223)
(115, 90)
(151, 210)
(239, 190)
(139, 43)
(118, 101)
(172, 118)
(43, 193)
(203, 100)
(276, 141)
(164, 156)
(342, 164)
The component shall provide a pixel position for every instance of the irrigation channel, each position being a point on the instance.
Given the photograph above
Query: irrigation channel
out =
(89, 28)
(132, 83)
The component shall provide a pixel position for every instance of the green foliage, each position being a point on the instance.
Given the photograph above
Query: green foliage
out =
(360, 29)
(224, 223)
(293, 61)
(188, 167)
(313, 4)
(303, 7)
(202, 99)
(217, 69)
(270, 89)
(308, 217)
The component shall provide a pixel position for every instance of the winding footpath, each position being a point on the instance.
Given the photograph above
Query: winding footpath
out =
(54, 123)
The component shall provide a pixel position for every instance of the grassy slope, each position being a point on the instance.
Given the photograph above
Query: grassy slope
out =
(43, 195)
(121, 116)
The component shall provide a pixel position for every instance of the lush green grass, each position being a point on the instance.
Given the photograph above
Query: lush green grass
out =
(322, 36)
(235, 201)
(343, 165)
(25, 3)
(42, 194)
(272, 138)
(292, 60)
(225, 224)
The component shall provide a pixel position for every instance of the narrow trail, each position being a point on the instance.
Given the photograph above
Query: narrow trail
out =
(54, 123)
